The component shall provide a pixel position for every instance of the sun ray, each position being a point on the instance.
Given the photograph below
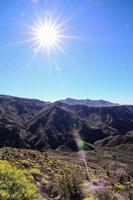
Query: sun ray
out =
(47, 34)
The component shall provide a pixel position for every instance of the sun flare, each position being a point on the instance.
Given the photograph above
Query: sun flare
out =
(47, 35)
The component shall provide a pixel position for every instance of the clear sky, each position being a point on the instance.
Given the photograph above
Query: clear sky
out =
(97, 61)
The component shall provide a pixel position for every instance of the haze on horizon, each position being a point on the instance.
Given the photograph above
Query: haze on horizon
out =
(90, 56)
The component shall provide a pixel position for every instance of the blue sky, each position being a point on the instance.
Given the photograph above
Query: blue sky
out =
(97, 63)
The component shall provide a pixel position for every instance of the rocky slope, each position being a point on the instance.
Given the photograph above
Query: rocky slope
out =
(36, 124)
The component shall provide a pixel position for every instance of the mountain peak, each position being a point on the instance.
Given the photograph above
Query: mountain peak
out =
(88, 102)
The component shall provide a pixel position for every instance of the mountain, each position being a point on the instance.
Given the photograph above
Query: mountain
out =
(124, 142)
(15, 113)
(88, 102)
(55, 124)
(19, 110)
(30, 123)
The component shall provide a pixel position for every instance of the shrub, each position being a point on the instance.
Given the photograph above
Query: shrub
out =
(70, 186)
(66, 186)
(14, 184)
(44, 181)
(119, 187)
(90, 198)
(25, 163)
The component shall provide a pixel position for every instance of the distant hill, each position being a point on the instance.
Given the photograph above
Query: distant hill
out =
(30, 123)
(88, 102)
(19, 109)
(124, 142)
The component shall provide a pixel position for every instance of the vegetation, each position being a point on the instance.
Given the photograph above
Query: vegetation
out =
(30, 174)
(15, 184)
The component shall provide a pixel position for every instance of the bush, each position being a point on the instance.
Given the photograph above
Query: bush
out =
(65, 186)
(14, 185)
(119, 187)
(70, 186)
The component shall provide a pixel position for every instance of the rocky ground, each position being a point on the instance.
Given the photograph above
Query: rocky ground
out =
(62, 175)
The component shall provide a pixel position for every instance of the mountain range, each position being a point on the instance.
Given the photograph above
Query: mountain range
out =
(31, 123)
(88, 102)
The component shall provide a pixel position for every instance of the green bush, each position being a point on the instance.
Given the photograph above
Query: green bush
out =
(66, 186)
(70, 186)
(14, 185)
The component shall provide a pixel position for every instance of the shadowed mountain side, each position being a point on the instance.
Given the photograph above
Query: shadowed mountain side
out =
(112, 120)
(37, 124)
(19, 110)
(124, 142)
(54, 125)
(13, 135)
(15, 114)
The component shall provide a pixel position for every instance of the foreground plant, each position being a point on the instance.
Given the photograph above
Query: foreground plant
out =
(15, 185)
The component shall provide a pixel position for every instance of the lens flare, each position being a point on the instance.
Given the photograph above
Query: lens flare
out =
(80, 145)
(47, 34)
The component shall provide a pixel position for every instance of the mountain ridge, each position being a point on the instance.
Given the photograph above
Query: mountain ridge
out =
(88, 102)
(39, 125)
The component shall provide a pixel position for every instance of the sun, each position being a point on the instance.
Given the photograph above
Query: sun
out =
(47, 35)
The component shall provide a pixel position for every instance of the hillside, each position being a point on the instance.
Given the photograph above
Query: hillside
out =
(56, 175)
(29, 123)
(61, 170)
